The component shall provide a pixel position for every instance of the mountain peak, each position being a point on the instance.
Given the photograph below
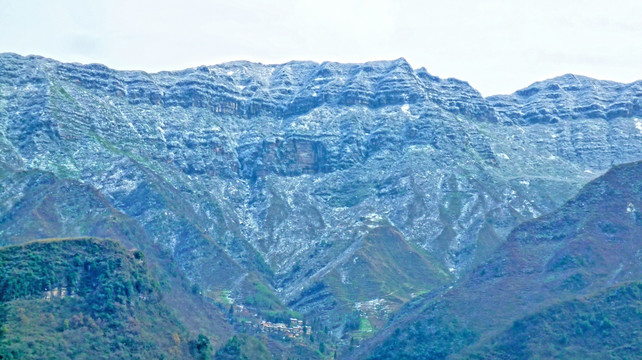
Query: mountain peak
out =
(570, 96)
(339, 191)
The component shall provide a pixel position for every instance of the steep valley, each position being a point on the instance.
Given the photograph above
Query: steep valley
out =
(347, 195)
(565, 285)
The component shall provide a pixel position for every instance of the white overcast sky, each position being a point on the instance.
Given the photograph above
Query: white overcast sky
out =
(498, 46)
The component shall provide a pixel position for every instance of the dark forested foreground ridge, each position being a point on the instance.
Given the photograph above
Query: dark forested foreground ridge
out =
(83, 298)
(312, 211)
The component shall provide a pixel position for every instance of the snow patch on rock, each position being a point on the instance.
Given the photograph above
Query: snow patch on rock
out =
(638, 124)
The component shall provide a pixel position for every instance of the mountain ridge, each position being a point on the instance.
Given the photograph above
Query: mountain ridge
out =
(320, 64)
(268, 186)
(586, 247)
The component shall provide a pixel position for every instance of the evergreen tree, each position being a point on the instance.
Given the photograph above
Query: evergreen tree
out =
(201, 348)
(231, 350)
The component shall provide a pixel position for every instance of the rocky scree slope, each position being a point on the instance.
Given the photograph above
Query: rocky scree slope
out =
(298, 175)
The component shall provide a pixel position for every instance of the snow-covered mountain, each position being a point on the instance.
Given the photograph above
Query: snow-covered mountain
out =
(338, 187)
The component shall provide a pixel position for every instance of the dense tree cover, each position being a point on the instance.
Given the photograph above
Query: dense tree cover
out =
(243, 347)
(353, 321)
(101, 271)
(601, 326)
(434, 339)
(83, 298)
(604, 326)
(201, 348)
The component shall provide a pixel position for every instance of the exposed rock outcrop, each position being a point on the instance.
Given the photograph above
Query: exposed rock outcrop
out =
(282, 170)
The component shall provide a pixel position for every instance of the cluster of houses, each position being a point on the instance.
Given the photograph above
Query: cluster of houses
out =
(241, 310)
(57, 293)
(292, 330)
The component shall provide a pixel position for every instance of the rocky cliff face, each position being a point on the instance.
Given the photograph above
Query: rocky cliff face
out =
(289, 172)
